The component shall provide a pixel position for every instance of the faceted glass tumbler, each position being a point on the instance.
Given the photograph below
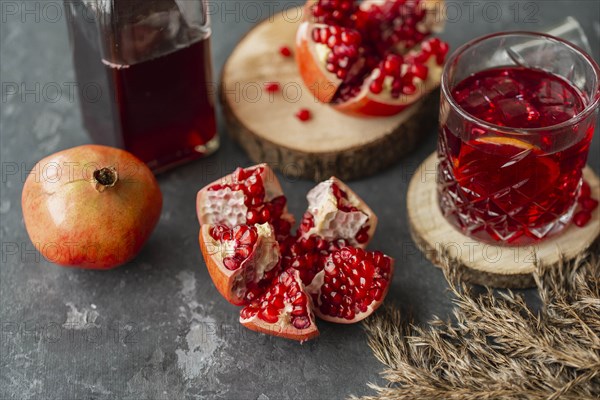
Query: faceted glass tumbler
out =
(508, 185)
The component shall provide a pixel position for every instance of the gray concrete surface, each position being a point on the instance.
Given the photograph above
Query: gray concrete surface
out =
(157, 328)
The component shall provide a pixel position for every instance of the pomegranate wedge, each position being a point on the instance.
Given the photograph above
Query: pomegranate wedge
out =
(285, 309)
(371, 58)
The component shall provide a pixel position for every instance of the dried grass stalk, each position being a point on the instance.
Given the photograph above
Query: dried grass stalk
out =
(496, 347)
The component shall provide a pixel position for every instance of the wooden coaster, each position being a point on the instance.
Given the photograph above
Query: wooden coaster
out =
(486, 264)
(330, 143)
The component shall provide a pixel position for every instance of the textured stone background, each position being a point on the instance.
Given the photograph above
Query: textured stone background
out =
(157, 329)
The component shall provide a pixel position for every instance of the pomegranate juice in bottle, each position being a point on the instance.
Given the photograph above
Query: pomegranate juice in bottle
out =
(144, 75)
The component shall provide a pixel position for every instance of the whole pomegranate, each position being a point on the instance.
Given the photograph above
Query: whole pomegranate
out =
(370, 58)
(284, 279)
(90, 206)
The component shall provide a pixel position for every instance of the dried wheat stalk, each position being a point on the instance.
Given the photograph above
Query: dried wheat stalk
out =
(497, 347)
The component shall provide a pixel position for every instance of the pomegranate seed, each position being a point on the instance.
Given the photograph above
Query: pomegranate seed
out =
(588, 203)
(255, 201)
(239, 175)
(227, 235)
(277, 302)
(252, 217)
(243, 251)
(362, 236)
(298, 311)
(585, 191)
(270, 315)
(303, 114)
(391, 65)
(409, 89)
(218, 231)
(283, 226)
(265, 215)
(582, 218)
(231, 263)
(376, 87)
(285, 51)
(256, 189)
(245, 235)
(349, 313)
(271, 87)
(420, 71)
(300, 300)
(301, 322)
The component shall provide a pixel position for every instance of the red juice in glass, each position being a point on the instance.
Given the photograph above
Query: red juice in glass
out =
(513, 142)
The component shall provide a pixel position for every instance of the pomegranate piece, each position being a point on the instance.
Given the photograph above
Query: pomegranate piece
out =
(303, 114)
(285, 309)
(255, 261)
(242, 260)
(336, 212)
(372, 58)
(271, 87)
(285, 51)
(247, 196)
(352, 285)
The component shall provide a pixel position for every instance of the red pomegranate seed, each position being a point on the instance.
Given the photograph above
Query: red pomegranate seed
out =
(391, 65)
(582, 218)
(588, 203)
(376, 87)
(231, 263)
(252, 217)
(243, 251)
(362, 237)
(585, 191)
(285, 51)
(303, 114)
(265, 215)
(301, 322)
(239, 175)
(271, 87)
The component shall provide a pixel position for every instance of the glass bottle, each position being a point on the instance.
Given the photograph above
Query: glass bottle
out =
(143, 69)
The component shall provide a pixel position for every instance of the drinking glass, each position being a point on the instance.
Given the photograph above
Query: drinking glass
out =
(518, 111)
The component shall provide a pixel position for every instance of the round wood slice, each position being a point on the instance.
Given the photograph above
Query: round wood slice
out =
(486, 264)
(330, 143)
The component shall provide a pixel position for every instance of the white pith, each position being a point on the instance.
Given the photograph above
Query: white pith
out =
(330, 222)
(266, 251)
(224, 206)
(322, 52)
